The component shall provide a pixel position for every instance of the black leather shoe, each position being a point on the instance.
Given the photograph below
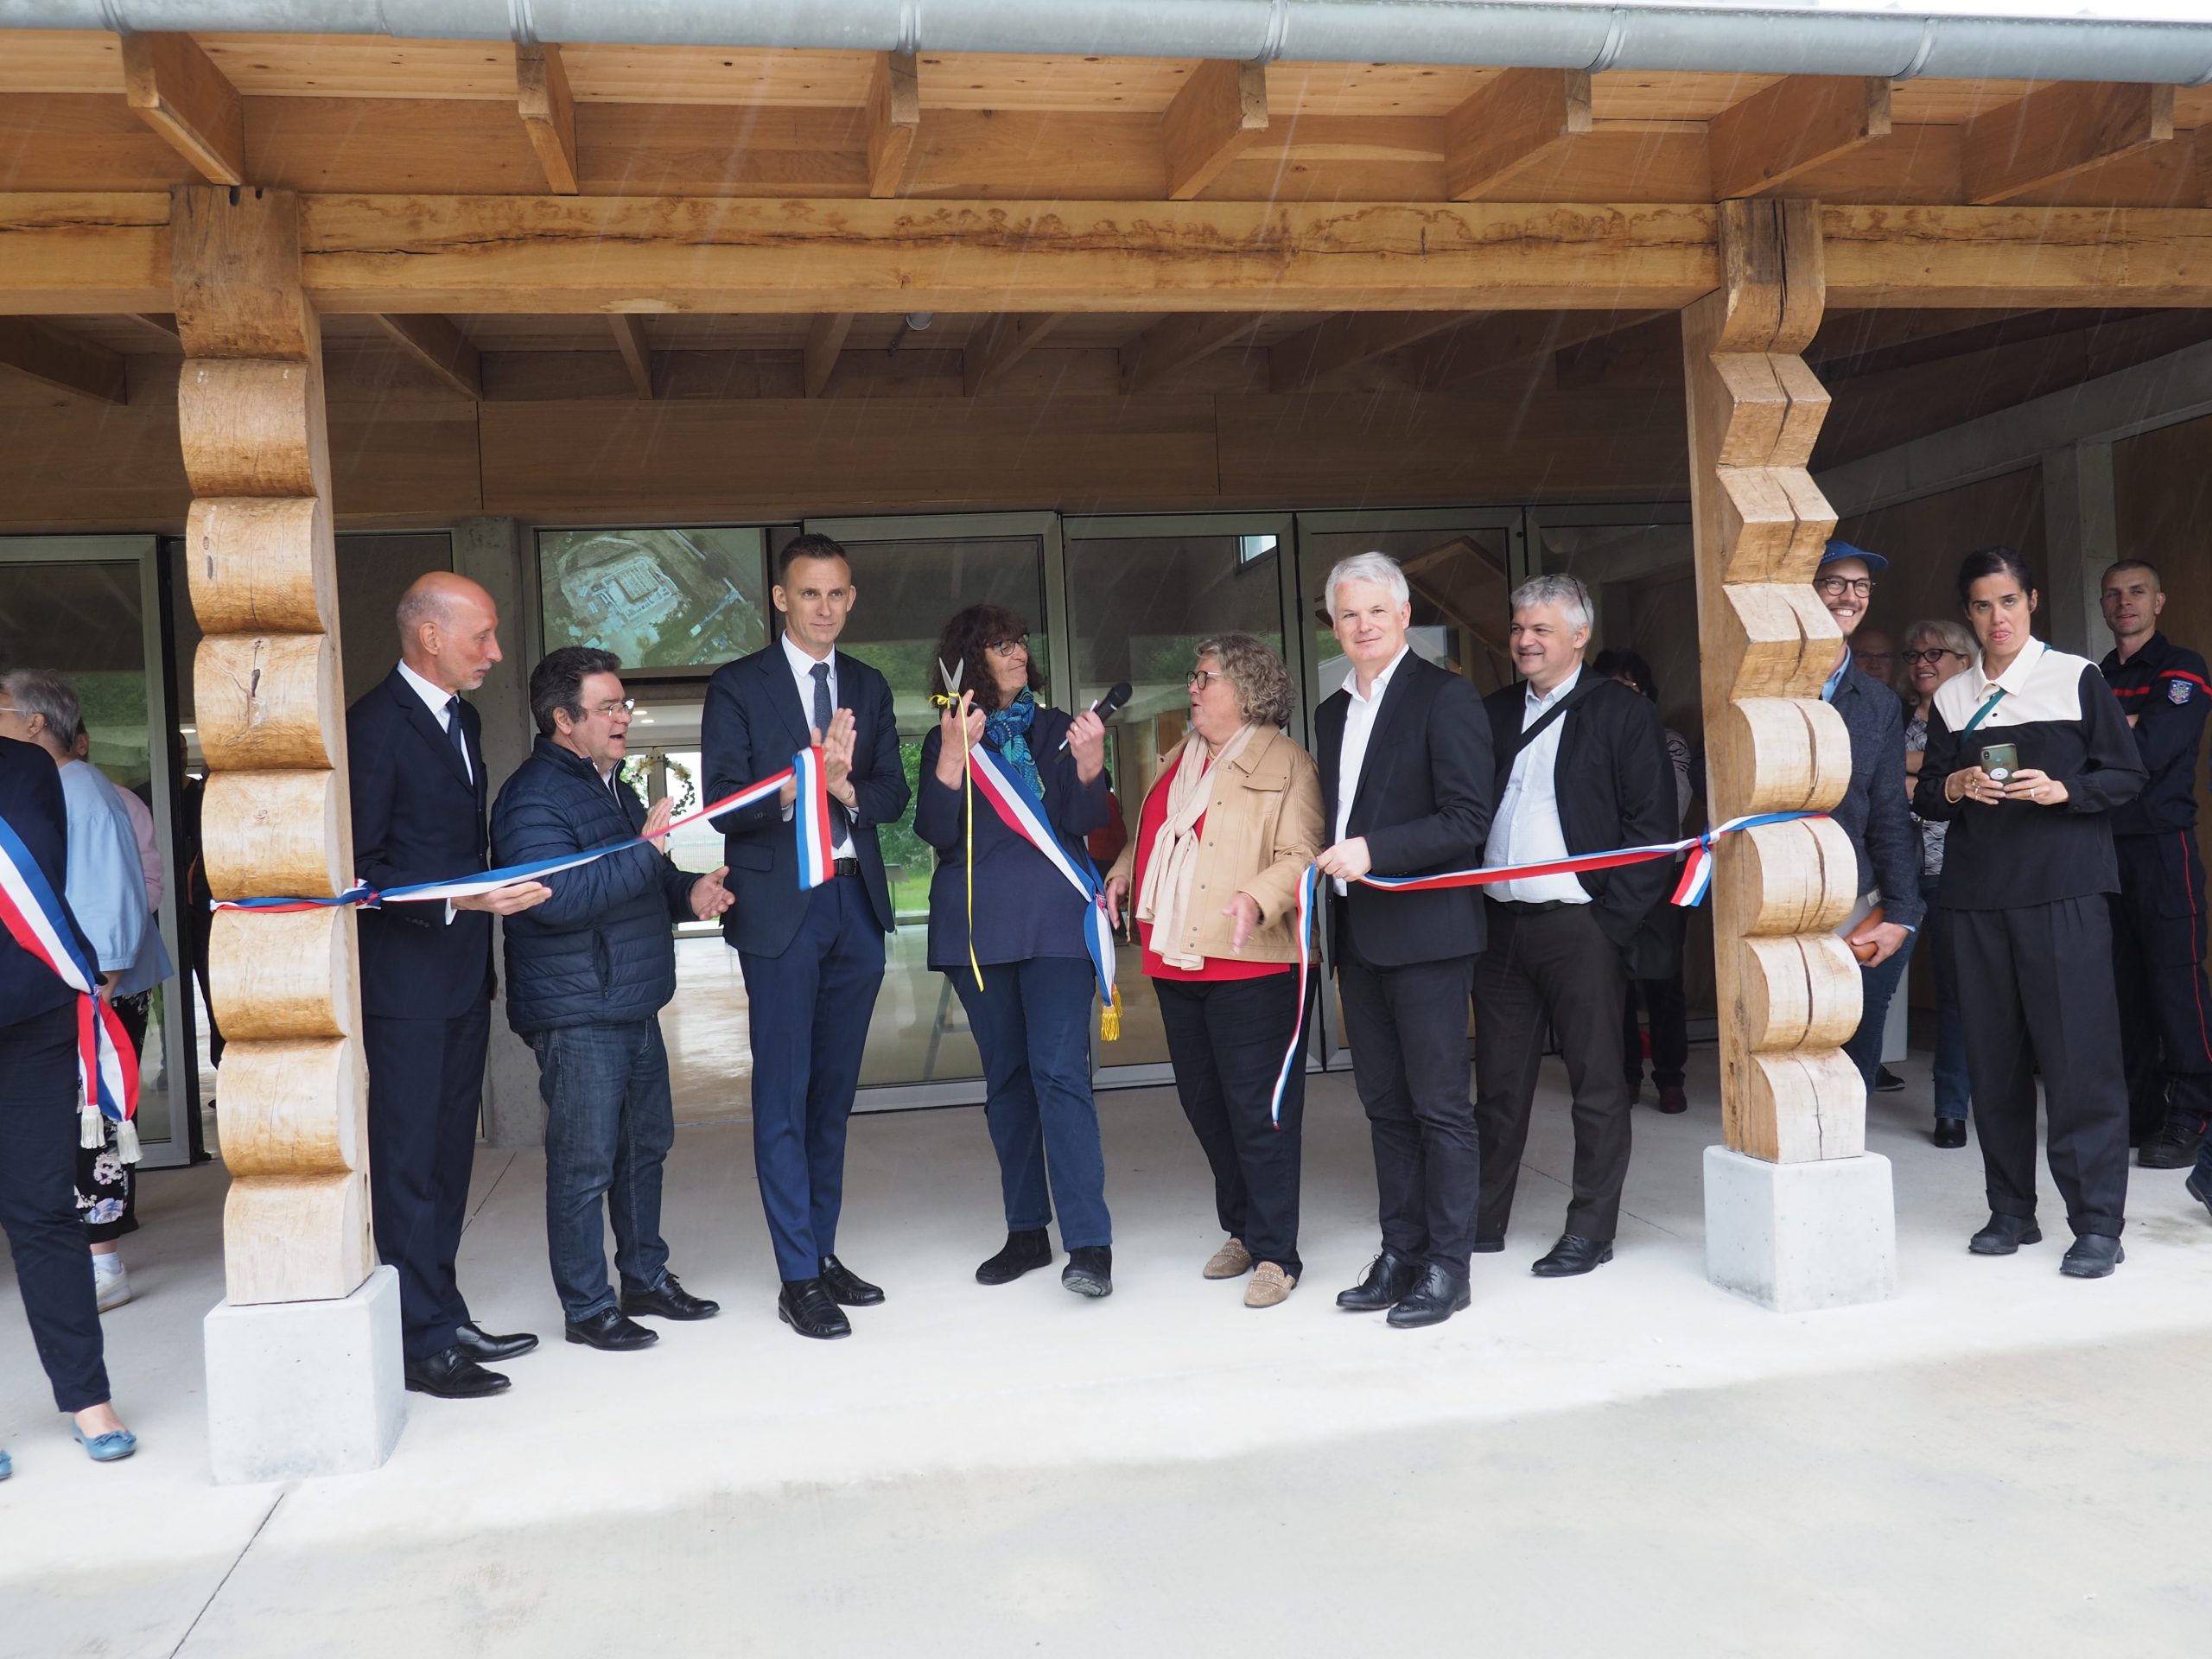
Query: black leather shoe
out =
(1950, 1133)
(2093, 1256)
(613, 1330)
(806, 1306)
(1387, 1278)
(2005, 1235)
(1886, 1082)
(1090, 1271)
(1573, 1254)
(482, 1346)
(1489, 1246)
(2175, 1145)
(451, 1374)
(847, 1286)
(1440, 1294)
(1024, 1252)
(668, 1301)
(2200, 1188)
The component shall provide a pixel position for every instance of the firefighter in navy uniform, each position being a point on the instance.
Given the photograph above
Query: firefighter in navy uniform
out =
(2158, 916)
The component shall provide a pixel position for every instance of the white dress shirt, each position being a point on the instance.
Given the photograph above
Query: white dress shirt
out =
(803, 673)
(1525, 828)
(434, 698)
(1359, 725)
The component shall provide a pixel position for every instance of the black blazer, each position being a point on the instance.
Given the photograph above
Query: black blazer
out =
(31, 802)
(1423, 801)
(752, 725)
(417, 816)
(1615, 787)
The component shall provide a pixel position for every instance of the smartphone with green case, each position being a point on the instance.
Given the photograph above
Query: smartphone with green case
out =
(2000, 761)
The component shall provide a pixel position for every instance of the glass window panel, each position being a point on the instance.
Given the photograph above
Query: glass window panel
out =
(658, 599)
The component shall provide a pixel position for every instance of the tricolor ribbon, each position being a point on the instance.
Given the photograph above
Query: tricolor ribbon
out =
(811, 824)
(107, 1066)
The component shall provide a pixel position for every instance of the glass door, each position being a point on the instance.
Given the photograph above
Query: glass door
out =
(89, 608)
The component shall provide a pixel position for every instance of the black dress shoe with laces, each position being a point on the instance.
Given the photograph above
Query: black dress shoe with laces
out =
(1023, 1252)
(1090, 1271)
(1489, 1246)
(2175, 1145)
(2093, 1256)
(482, 1346)
(451, 1374)
(2005, 1235)
(668, 1301)
(806, 1306)
(612, 1331)
(1387, 1278)
(847, 1286)
(1950, 1133)
(1440, 1294)
(1573, 1254)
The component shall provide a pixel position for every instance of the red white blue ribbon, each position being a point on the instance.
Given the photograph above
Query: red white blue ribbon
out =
(107, 1066)
(811, 824)
(1023, 814)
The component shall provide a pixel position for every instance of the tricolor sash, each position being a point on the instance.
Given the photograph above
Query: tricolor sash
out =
(107, 1066)
(1023, 814)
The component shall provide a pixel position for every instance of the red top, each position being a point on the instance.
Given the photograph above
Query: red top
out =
(1152, 815)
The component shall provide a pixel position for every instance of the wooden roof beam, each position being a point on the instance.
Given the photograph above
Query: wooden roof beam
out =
(825, 338)
(435, 343)
(156, 325)
(80, 367)
(1005, 341)
(637, 353)
(1514, 123)
(1508, 340)
(1342, 342)
(175, 88)
(2057, 130)
(1791, 127)
(1220, 110)
(895, 119)
(1167, 346)
(549, 113)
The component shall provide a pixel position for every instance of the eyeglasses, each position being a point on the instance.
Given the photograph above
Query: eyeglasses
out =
(1837, 586)
(1007, 647)
(608, 710)
(1933, 656)
(1198, 678)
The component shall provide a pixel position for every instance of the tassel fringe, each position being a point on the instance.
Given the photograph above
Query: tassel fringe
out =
(1109, 1018)
(126, 1141)
(92, 1128)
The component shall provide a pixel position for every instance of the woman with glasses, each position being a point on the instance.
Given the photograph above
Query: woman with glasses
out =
(1933, 652)
(1212, 881)
(1023, 972)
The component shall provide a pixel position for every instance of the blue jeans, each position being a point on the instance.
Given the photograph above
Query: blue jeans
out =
(1031, 1022)
(1953, 1094)
(609, 1123)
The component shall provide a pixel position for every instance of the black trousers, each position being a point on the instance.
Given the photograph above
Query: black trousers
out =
(2158, 960)
(2033, 996)
(1408, 1032)
(1554, 966)
(1227, 1039)
(426, 1081)
(1670, 1032)
(38, 1203)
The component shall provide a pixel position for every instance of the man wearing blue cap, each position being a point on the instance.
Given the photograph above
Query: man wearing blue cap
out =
(1874, 811)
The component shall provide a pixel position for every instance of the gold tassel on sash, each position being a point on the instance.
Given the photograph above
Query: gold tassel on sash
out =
(1109, 1020)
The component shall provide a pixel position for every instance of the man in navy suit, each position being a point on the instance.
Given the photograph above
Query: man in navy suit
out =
(418, 790)
(813, 962)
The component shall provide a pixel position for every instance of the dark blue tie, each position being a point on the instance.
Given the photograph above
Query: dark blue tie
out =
(453, 736)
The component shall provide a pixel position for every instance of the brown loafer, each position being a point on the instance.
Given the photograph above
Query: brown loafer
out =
(1231, 1260)
(1270, 1285)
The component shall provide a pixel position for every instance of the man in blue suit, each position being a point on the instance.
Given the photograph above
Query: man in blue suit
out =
(417, 774)
(813, 962)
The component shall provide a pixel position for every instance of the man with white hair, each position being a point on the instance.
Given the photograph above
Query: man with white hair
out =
(1405, 763)
(1582, 767)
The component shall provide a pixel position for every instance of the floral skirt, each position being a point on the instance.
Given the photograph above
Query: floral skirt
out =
(107, 1188)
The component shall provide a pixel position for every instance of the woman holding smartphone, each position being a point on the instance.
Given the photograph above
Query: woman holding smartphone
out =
(2027, 752)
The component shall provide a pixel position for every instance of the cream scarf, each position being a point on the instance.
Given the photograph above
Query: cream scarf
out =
(1170, 867)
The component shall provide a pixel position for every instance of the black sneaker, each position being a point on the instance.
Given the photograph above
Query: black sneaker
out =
(1090, 1271)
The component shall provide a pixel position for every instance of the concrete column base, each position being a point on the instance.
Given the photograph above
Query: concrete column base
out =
(1794, 1237)
(297, 1388)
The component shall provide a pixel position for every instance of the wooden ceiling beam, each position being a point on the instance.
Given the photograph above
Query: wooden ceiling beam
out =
(1343, 341)
(895, 119)
(1215, 117)
(1791, 127)
(825, 338)
(434, 342)
(2015, 329)
(156, 325)
(637, 353)
(175, 88)
(1515, 122)
(1001, 343)
(1167, 346)
(80, 367)
(1509, 339)
(547, 110)
(2057, 130)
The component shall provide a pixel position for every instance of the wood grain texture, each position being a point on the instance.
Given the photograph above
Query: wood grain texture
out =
(252, 426)
(1214, 116)
(1788, 129)
(297, 1238)
(2057, 131)
(894, 118)
(257, 564)
(1512, 125)
(439, 346)
(277, 833)
(548, 112)
(264, 1134)
(176, 90)
(268, 702)
(284, 977)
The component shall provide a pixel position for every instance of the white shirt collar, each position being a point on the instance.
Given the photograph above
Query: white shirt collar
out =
(434, 697)
(1381, 680)
(1545, 699)
(2017, 673)
(802, 665)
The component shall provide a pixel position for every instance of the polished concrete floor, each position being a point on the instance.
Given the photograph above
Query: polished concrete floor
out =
(1999, 1460)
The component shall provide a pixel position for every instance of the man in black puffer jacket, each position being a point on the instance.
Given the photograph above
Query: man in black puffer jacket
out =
(587, 974)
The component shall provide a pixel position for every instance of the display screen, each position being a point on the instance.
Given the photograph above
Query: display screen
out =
(669, 599)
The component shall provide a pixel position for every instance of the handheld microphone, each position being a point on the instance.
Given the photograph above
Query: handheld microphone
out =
(1106, 707)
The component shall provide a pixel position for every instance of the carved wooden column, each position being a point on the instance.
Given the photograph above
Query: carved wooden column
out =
(1789, 989)
(269, 705)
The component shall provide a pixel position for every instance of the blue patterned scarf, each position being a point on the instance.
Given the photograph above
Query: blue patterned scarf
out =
(1007, 732)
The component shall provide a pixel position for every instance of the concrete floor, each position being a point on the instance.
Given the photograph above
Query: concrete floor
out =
(1999, 1461)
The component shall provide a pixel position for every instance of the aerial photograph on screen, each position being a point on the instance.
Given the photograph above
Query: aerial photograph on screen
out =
(655, 598)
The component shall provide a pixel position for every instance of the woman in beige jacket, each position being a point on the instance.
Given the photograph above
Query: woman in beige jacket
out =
(1212, 879)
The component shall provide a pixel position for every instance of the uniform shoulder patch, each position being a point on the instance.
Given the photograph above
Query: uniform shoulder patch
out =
(2179, 690)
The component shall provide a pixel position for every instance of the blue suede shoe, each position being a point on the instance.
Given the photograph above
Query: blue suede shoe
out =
(111, 1447)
